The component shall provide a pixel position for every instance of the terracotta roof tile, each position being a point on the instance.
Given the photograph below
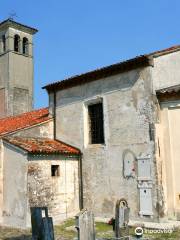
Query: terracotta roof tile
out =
(42, 145)
(14, 123)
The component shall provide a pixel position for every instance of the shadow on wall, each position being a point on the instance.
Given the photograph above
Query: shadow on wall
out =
(122, 81)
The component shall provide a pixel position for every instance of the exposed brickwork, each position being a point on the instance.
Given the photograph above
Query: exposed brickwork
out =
(60, 194)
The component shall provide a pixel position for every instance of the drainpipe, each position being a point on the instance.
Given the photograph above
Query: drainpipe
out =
(81, 203)
(54, 114)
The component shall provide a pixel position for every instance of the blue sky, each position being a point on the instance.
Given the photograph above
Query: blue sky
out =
(81, 35)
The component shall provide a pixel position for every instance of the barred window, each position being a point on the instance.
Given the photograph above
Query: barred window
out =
(96, 123)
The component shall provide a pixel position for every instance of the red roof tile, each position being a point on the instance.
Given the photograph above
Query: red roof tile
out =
(14, 123)
(42, 145)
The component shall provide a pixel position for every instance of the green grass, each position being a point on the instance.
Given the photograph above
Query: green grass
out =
(103, 230)
(61, 230)
(66, 231)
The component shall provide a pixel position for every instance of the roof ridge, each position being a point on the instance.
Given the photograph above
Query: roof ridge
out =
(25, 120)
(22, 114)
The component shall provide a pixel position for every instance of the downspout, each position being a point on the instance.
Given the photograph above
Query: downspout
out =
(81, 202)
(54, 114)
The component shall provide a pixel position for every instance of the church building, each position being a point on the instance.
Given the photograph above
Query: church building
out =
(124, 118)
(107, 134)
(35, 168)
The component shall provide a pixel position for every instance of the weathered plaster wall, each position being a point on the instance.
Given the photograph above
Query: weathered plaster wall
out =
(127, 104)
(42, 130)
(14, 187)
(166, 71)
(3, 82)
(1, 180)
(16, 75)
(26, 181)
(60, 194)
(167, 143)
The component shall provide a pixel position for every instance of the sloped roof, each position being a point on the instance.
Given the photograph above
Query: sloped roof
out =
(24, 120)
(11, 23)
(42, 145)
(134, 63)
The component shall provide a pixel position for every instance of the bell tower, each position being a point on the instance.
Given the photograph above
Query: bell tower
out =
(16, 68)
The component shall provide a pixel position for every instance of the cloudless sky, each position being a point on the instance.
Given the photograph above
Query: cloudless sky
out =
(76, 36)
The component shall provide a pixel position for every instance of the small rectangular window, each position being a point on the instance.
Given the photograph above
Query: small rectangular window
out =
(96, 123)
(55, 170)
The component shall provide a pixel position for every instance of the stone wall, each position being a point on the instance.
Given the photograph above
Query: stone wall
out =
(128, 125)
(28, 182)
(59, 193)
(16, 74)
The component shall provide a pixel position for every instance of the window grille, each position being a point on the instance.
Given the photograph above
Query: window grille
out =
(96, 123)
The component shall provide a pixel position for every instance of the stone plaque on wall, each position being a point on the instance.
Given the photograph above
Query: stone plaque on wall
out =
(128, 164)
(144, 168)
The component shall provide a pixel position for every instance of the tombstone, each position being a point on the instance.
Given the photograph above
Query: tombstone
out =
(42, 225)
(121, 218)
(85, 225)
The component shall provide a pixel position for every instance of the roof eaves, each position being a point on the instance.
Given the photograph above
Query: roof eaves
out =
(165, 51)
(134, 63)
(52, 153)
(69, 145)
(9, 22)
(30, 151)
(14, 145)
(175, 88)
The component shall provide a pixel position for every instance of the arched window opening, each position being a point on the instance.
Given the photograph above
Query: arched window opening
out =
(4, 43)
(16, 43)
(25, 46)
